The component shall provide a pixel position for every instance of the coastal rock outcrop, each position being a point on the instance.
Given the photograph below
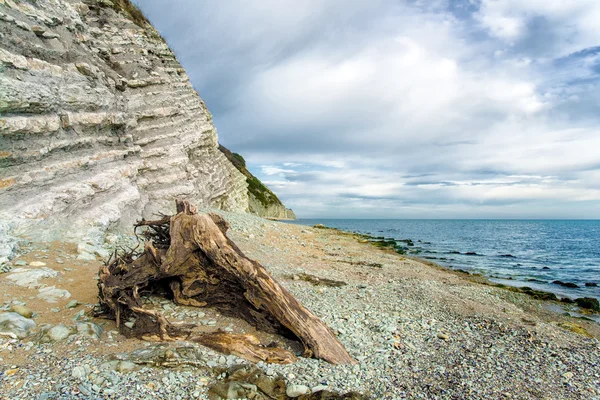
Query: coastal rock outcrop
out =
(261, 201)
(98, 120)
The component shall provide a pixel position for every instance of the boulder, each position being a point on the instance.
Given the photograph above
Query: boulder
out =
(589, 303)
(15, 325)
(29, 277)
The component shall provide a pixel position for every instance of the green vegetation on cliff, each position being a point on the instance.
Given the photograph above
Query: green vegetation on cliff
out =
(128, 7)
(255, 186)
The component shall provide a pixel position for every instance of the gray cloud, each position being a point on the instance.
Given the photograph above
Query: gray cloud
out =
(411, 108)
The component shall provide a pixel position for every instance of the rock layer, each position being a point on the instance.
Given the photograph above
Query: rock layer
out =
(261, 201)
(99, 123)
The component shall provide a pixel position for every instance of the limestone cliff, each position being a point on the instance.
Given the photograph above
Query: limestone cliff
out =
(261, 200)
(99, 123)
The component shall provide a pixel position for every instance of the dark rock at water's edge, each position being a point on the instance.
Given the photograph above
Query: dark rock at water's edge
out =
(507, 256)
(566, 284)
(546, 268)
(468, 253)
(535, 280)
(591, 284)
(536, 294)
(589, 303)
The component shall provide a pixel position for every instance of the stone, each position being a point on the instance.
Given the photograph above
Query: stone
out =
(50, 35)
(296, 390)
(29, 277)
(20, 263)
(78, 372)
(72, 304)
(89, 329)
(125, 366)
(21, 310)
(588, 303)
(6, 18)
(85, 69)
(568, 375)
(443, 336)
(84, 256)
(37, 264)
(23, 25)
(59, 332)
(15, 325)
(566, 284)
(38, 30)
(52, 294)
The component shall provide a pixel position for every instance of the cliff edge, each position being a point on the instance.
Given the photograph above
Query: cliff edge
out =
(99, 124)
(261, 200)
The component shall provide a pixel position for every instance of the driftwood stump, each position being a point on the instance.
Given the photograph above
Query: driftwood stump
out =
(191, 256)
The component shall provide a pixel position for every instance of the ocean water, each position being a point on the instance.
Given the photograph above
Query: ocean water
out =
(530, 253)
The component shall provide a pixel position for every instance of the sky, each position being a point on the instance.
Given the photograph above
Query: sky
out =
(403, 109)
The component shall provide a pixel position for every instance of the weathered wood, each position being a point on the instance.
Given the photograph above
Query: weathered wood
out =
(247, 346)
(203, 267)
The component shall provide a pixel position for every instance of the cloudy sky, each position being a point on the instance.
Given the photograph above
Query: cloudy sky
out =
(403, 109)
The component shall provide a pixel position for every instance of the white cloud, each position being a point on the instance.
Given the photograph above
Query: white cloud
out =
(576, 21)
(403, 107)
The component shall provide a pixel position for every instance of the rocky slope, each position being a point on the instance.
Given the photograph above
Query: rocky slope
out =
(261, 201)
(99, 123)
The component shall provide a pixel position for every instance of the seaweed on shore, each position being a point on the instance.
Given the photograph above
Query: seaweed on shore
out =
(363, 264)
(316, 281)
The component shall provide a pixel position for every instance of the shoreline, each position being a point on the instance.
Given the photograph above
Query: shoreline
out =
(567, 303)
(417, 330)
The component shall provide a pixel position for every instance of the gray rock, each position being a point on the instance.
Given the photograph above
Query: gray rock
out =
(318, 388)
(296, 390)
(125, 366)
(72, 304)
(84, 256)
(52, 294)
(50, 35)
(29, 278)
(15, 325)
(78, 372)
(59, 332)
(20, 263)
(22, 25)
(89, 329)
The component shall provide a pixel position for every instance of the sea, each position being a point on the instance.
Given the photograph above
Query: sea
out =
(533, 253)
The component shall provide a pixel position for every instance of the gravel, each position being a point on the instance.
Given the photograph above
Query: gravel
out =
(416, 332)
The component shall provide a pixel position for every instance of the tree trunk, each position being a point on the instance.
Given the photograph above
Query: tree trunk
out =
(191, 254)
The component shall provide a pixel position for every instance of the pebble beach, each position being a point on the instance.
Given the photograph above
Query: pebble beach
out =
(417, 331)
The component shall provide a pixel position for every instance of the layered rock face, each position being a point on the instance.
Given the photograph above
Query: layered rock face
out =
(261, 200)
(99, 124)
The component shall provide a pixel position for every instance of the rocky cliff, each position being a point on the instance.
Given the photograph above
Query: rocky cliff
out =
(99, 124)
(261, 200)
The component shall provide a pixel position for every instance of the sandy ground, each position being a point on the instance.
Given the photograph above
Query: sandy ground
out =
(287, 251)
